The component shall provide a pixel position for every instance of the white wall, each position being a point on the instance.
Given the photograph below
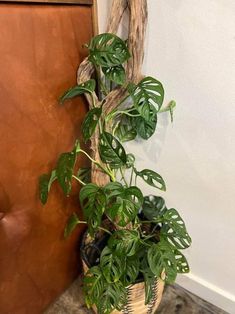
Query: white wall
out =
(190, 47)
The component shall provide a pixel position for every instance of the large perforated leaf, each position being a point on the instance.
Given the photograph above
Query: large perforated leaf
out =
(108, 50)
(112, 265)
(115, 74)
(147, 94)
(111, 151)
(124, 242)
(152, 178)
(153, 207)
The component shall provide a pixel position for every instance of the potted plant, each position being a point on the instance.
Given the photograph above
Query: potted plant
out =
(132, 240)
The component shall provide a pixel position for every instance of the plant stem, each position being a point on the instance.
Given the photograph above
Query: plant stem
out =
(80, 181)
(101, 228)
(101, 84)
(132, 172)
(123, 177)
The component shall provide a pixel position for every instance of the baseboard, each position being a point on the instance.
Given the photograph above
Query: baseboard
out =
(208, 292)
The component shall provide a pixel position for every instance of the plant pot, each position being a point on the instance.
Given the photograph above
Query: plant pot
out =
(136, 292)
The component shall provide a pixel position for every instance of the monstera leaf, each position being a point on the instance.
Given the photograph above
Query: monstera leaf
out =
(108, 50)
(84, 174)
(147, 95)
(125, 132)
(111, 151)
(146, 128)
(93, 200)
(124, 204)
(87, 87)
(124, 242)
(131, 271)
(162, 259)
(112, 265)
(115, 74)
(181, 263)
(45, 182)
(152, 178)
(90, 122)
(174, 229)
(153, 207)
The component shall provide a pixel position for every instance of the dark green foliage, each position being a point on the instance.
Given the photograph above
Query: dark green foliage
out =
(45, 182)
(115, 74)
(71, 225)
(87, 87)
(108, 50)
(90, 122)
(152, 178)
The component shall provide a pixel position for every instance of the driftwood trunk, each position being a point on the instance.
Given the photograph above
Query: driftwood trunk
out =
(137, 10)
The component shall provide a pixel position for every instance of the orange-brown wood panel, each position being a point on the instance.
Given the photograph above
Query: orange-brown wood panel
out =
(40, 49)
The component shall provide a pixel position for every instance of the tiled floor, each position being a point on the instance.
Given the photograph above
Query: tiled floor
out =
(175, 300)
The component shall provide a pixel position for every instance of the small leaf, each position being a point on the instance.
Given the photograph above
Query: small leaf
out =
(71, 225)
(152, 178)
(115, 74)
(124, 242)
(93, 201)
(130, 160)
(90, 122)
(131, 271)
(87, 87)
(111, 151)
(153, 207)
(64, 170)
(146, 128)
(108, 50)
(45, 182)
(112, 265)
(162, 259)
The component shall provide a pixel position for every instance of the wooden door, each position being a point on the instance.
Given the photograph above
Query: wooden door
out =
(40, 48)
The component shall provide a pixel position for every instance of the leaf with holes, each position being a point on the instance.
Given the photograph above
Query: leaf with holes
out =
(130, 160)
(149, 278)
(131, 271)
(161, 260)
(45, 182)
(64, 170)
(181, 263)
(111, 151)
(147, 95)
(113, 297)
(174, 229)
(90, 122)
(94, 284)
(86, 87)
(124, 242)
(71, 225)
(112, 265)
(153, 207)
(108, 50)
(124, 206)
(125, 132)
(115, 74)
(152, 178)
(93, 200)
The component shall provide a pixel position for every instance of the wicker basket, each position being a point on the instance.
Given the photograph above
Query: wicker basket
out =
(136, 295)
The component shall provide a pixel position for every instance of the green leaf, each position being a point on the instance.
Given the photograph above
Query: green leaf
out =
(108, 50)
(45, 182)
(181, 263)
(111, 151)
(146, 128)
(147, 95)
(115, 74)
(94, 284)
(161, 259)
(71, 225)
(90, 122)
(64, 170)
(125, 132)
(112, 265)
(124, 205)
(174, 229)
(87, 87)
(124, 242)
(131, 271)
(93, 200)
(152, 178)
(84, 174)
(153, 207)
(130, 160)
